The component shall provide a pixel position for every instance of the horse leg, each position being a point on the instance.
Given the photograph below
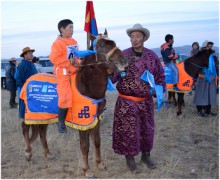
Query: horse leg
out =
(183, 101)
(169, 96)
(84, 146)
(179, 103)
(174, 99)
(43, 138)
(97, 144)
(25, 129)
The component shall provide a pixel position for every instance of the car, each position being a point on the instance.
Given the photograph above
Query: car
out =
(47, 66)
(4, 63)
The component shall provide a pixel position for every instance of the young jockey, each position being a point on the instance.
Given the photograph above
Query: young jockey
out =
(64, 67)
(169, 56)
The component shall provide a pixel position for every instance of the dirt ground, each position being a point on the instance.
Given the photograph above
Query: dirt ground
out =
(184, 147)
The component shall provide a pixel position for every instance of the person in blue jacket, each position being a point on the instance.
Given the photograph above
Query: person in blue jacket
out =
(24, 70)
(169, 57)
(11, 82)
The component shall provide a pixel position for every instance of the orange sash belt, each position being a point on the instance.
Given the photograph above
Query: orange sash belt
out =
(136, 99)
(201, 76)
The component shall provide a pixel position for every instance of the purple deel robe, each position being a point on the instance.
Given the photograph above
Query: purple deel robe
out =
(133, 127)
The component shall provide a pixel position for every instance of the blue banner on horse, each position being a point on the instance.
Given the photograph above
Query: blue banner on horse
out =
(42, 97)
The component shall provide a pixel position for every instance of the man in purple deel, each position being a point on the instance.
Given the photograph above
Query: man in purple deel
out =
(133, 128)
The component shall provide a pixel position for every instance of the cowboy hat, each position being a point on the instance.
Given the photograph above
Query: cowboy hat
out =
(26, 49)
(13, 59)
(138, 27)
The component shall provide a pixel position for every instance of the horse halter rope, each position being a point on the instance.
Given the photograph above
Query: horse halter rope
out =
(195, 65)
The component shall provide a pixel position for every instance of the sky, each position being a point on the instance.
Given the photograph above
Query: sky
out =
(34, 23)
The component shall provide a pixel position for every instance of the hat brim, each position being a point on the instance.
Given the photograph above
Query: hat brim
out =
(143, 30)
(22, 54)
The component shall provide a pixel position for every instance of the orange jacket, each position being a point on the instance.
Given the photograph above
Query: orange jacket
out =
(59, 54)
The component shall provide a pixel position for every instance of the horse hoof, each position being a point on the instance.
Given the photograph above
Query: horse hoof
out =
(93, 177)
(50, 156)
(102, 166)
(27, 156)
(89, 174)
(179, 113)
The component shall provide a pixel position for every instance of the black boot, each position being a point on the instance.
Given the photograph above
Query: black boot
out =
(62, 112)
(208, 111)
(199, 111)
(145, 158)
(131, 164)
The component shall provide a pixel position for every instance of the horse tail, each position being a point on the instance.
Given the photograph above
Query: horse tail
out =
(35, 130)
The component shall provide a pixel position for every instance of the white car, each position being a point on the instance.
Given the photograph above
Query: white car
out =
(46, 64)
(4, 63)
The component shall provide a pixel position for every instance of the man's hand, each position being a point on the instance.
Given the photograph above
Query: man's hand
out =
(110, 71)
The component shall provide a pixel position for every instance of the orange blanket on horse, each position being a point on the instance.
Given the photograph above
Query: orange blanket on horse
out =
(185, 81)
(41, 101)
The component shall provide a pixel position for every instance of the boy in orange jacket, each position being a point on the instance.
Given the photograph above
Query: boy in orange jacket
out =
(65, 65)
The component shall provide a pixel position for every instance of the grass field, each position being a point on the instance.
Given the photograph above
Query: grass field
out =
(184, 147)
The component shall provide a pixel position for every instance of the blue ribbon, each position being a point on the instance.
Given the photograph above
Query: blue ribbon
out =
(149, 78)
(81, 54)
(211, 70)
(110, 86)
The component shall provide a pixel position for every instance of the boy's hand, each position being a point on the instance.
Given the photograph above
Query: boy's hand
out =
(74, 62)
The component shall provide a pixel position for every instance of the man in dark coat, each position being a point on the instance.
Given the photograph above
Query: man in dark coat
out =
(11, 82)
(25, 70)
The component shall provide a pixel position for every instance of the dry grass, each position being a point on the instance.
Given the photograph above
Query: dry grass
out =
(185, 147)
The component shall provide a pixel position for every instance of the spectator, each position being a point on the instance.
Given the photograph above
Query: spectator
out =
(11, 82)
(195, 48)
(133, 128)
(37, 64)
(24, 70)
(64, 67)
(205, 93)
(169, 57)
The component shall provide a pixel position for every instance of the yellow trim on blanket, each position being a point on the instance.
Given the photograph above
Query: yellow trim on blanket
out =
(50, 121)
(84, 128)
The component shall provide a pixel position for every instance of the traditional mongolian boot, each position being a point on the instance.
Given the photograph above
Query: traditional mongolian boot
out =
(208, 111)
(62, 112)
(145, 158)
(199, 111)
(131, 164)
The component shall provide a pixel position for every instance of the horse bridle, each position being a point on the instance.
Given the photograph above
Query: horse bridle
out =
(107, 56)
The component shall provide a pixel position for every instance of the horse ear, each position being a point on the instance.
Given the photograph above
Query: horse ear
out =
(106, 33)
(91, 37)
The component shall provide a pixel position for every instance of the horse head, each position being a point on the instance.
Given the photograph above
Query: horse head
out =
(108, 53)
(194, 64)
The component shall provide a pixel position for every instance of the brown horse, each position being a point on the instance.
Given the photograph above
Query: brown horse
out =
(193, 65)
(91, 81)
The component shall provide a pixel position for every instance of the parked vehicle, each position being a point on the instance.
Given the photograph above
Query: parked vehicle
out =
(47, 66)
(4, 63)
